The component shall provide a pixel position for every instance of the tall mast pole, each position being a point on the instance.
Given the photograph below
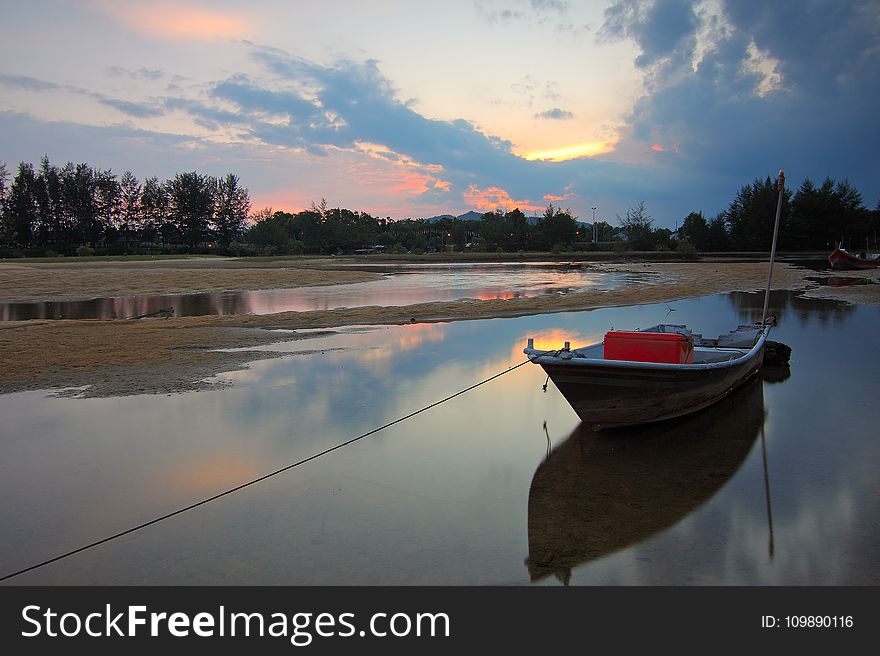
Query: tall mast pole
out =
(780, 186)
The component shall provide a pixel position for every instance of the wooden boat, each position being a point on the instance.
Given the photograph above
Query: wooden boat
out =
(658, 373)
(842, 259)
(598, 493)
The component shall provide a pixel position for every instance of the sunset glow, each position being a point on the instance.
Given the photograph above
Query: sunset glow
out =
(576, 151)
(554, 338)
(170, 20)
(670, 103)
(493, 198)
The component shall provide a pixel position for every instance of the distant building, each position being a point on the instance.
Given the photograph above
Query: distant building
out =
(370, 250)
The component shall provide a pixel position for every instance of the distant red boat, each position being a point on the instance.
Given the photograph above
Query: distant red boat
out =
(842, 259)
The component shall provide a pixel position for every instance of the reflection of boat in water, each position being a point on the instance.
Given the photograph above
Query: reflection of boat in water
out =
(846, 281)
(651, 375)
(842, 259)
(597, 493)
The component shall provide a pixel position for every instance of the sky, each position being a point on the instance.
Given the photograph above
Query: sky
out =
(416, 108)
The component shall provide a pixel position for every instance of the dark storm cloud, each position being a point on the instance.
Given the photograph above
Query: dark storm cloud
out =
(725, 122)
(659, 29)
(822, 46)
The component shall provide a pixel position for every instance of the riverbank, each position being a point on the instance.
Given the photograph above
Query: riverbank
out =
(123, 357)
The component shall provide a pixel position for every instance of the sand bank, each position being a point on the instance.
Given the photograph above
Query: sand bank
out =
(125, 357)
(71, 281)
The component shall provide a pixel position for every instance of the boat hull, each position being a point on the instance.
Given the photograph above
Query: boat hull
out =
(845, 261)
(611, 394)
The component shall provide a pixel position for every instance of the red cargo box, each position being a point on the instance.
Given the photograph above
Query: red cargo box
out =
(671, 348)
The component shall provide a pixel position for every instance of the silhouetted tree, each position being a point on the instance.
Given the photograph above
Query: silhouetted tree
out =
(823, 215)
(751, 215)
(49, 229)
(192, 206)
(156, 212)
(717, 239)
(22, 207)
(636, 228)
(695, 229)
(130, 215)
(556, 227)
(232, 205)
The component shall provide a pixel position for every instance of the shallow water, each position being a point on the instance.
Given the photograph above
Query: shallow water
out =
(401, 285)
(497, 486)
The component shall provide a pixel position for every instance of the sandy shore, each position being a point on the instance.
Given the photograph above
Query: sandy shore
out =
(71, 281)
(111, 358)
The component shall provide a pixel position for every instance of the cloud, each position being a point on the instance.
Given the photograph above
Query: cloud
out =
(555, 114)
(348, 103)
(531, 10)
(167, 19)
(493, 198)
(560, 6)
(822, 46)
(208, 116)
(131, 108)
(149, 74)
(109, 146)
(27, 83)
(249, 97)
(350, 107)
(660, 28)
(781, 84)
(136, 109)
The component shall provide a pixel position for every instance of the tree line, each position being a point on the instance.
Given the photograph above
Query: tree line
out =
(813, 218)
(78, 209)
(321, 229)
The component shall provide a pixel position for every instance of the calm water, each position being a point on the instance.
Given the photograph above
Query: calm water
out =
(401, 285)
(499, 486)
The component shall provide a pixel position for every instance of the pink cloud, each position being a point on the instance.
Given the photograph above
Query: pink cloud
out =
(171, 20)
(492, 198)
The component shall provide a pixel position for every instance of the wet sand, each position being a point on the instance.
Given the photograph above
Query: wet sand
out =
(124, 357)
(73, 281)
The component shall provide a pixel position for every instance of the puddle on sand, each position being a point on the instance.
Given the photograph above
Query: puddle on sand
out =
(404, 286)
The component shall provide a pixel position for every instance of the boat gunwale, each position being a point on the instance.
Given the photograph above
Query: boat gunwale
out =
(542, 357)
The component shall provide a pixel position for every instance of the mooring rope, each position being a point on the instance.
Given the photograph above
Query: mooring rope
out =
(257, 480)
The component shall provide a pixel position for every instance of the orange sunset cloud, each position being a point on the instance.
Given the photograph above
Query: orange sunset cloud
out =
(171, 20)
(564, 153)
(492, 198)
